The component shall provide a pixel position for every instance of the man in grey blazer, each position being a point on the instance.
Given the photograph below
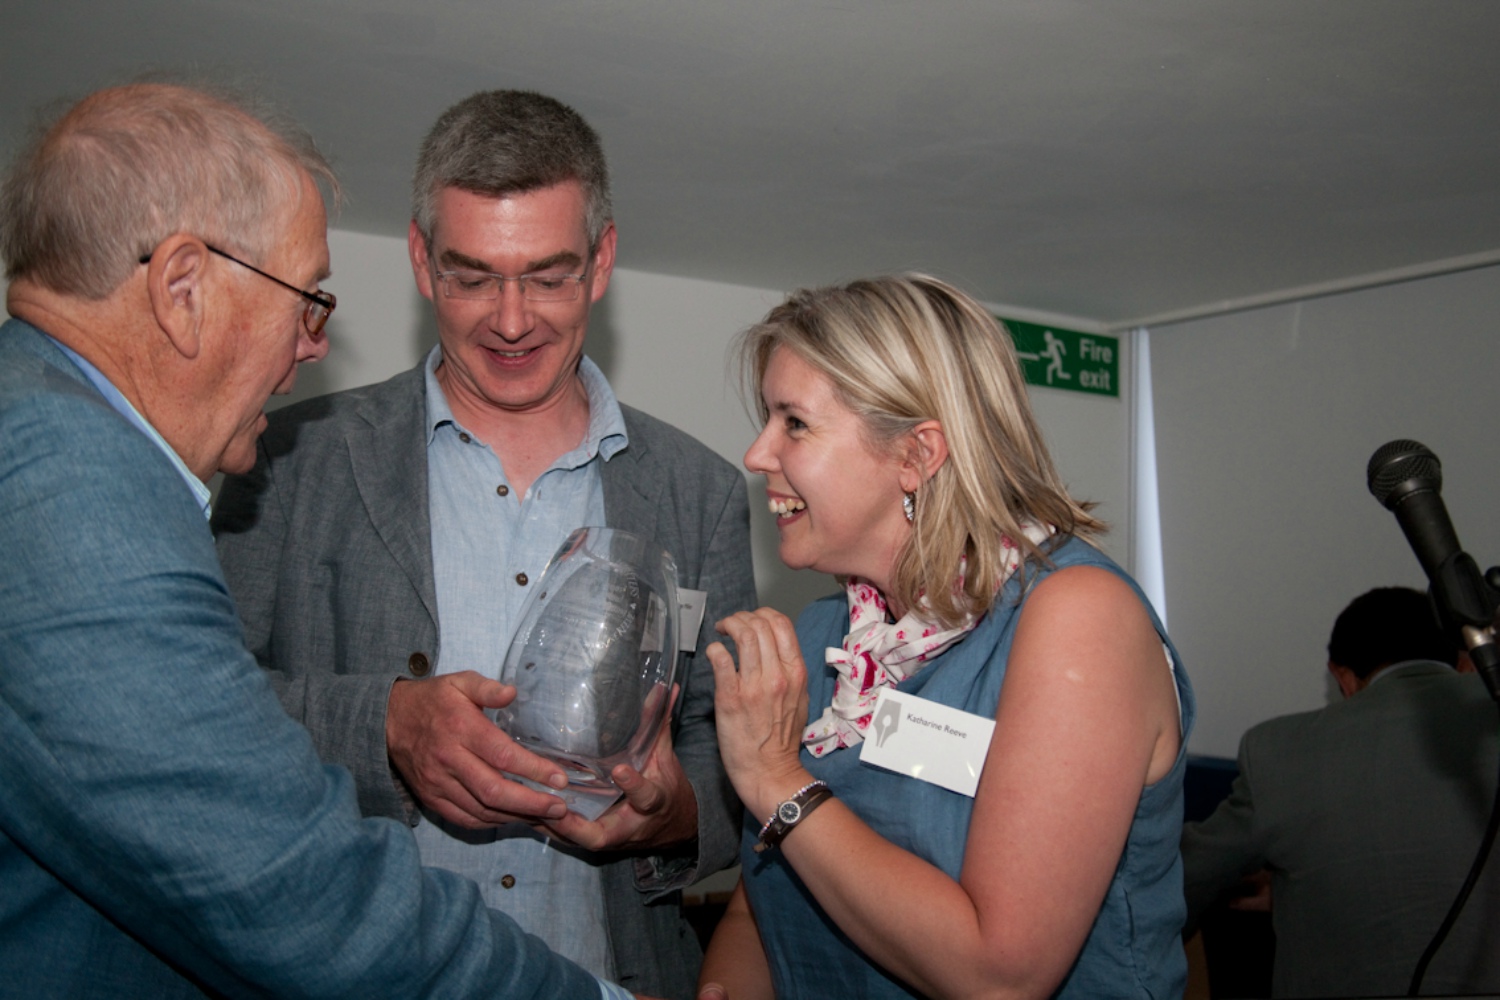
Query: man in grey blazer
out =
(382, 548)
(1368, 813)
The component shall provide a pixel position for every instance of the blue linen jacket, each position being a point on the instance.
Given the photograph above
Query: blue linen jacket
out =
(165, 829)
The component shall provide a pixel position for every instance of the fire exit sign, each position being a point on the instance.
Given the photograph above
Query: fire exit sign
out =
(1067, 359)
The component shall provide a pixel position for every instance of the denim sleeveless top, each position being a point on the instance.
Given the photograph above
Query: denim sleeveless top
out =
(1134, 948)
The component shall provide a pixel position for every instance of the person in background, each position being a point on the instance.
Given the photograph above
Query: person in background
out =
(166, 830)
(1367, 814)
(901, 455)
(383, 548)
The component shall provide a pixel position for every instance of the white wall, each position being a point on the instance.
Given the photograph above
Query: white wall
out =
(1265, 422)
(1089, 437)
(662, 341)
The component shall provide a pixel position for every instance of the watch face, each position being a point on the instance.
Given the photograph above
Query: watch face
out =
(789, 812)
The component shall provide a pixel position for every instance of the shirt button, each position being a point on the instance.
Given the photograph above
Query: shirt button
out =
(419, 665)
(522, 579)
(503, 490)
(463, 437)
(507, 881)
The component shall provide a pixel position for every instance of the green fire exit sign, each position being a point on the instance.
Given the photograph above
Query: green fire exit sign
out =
(1067, 359)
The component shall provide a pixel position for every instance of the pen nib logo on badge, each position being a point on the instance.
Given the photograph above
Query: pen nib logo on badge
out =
(887, 721)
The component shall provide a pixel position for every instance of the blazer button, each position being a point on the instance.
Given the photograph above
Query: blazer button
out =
(419, 665)
(508, 881)
(522, 579)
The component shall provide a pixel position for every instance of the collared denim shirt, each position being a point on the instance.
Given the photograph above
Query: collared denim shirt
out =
(489, 547)
(1134, 948)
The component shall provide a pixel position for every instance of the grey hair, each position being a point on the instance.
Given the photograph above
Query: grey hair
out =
(910, 348)
(126, 167)
(500, 142)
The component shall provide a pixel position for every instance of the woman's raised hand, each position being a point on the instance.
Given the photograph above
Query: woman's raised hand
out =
(761, 706)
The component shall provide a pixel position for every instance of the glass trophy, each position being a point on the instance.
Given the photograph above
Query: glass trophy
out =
(593, 661)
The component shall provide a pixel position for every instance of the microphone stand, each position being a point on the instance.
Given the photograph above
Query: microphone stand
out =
(1469, 604)
(1406, 477)
(1475, 869)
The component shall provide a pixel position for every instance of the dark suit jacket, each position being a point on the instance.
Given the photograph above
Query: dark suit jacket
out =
(327, 549)
(1368, 813)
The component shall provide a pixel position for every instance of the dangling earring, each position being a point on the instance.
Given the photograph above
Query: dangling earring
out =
(909, 506)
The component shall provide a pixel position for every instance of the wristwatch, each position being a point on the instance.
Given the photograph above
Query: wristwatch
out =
(791, 812)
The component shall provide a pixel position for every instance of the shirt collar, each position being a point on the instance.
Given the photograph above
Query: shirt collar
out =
(1404, 665)
(606, 436)
(121, 405)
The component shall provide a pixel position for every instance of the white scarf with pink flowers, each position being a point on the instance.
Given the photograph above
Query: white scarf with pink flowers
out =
(878, 653)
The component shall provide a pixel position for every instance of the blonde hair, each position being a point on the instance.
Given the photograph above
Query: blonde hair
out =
(905, 349)
(127, 167)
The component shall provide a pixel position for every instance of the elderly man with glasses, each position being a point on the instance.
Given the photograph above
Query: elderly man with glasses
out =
(165, 829)
(383, 548)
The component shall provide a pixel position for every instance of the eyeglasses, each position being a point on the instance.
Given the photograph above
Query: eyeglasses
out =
(320, 305)
(487, 285)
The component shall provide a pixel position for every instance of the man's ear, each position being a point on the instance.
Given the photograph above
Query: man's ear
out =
(604, 263)
(416, 249)
(926, 452)
(175, 287)
(1348, 682)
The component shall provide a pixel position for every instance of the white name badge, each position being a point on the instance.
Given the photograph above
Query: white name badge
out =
(928, 741)
(690, 607)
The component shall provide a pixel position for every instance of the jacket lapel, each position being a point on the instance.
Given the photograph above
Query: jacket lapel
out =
(388, 455)
(628, 503)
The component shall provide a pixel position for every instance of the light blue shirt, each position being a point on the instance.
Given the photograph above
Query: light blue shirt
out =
(489, 547)
(117, 399)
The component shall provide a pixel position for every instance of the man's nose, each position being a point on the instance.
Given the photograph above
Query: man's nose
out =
(310, 348)
(512, 312)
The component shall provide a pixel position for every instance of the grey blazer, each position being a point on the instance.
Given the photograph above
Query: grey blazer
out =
(326, 547)
(1368, 813)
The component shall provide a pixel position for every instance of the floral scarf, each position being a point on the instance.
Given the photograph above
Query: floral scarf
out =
(879, 653)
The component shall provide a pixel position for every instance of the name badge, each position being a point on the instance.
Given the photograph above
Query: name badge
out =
(928, 741)
(690, 607)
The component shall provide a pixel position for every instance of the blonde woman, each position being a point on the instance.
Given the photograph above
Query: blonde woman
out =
(901, 455)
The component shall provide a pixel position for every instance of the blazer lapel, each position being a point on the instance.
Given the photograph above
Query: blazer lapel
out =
(388, 454)
(627, 499)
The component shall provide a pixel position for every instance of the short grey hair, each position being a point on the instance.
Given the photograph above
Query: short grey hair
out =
(124, 168)
(500, 142)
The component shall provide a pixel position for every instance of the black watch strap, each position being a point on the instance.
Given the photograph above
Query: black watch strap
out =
(791, 812)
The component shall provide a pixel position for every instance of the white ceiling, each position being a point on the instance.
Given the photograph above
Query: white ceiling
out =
(1102, 160)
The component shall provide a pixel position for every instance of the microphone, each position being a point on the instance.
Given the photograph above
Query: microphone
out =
(1407, 479)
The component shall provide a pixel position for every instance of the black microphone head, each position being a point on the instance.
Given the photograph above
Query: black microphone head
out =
(1400, 468)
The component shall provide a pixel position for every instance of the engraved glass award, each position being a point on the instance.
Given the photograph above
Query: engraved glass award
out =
(594, 660)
